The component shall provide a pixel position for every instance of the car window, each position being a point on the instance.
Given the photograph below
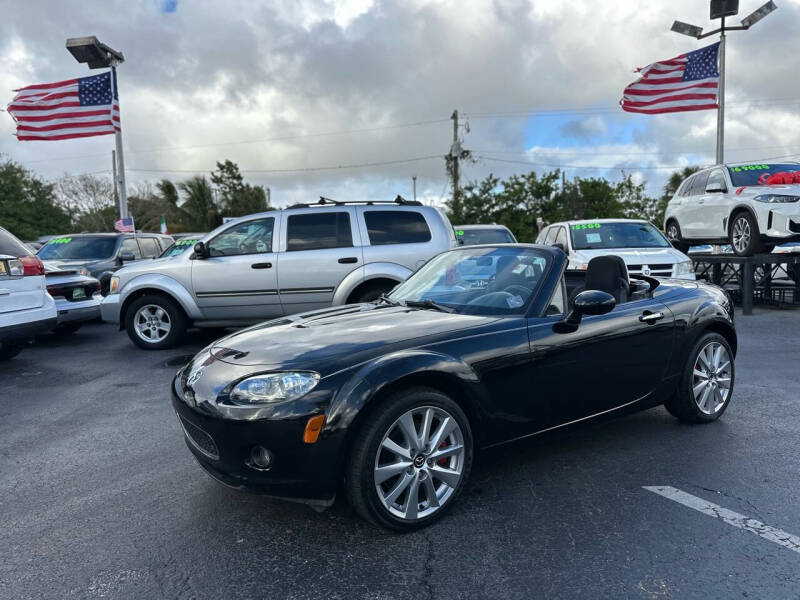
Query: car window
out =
(149, 247)
(716, 180)
(686, 187)
(314, 231)
(500, 280)
(130, 245)
(699, 184)
(542, 236)
(396, 227)
(558, 305)
(249, 237)
(488, 235)
(561, 237)
(551, 236)
(179, 247)
(11, 246)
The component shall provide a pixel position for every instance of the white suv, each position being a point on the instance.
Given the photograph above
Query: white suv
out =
(25, 306)
(644, 248)
(752, 207)
(276, 263)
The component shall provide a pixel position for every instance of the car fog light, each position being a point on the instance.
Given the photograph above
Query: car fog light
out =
(260, 458)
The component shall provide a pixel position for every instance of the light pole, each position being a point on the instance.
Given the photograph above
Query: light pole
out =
(719, 10)
(98, 55)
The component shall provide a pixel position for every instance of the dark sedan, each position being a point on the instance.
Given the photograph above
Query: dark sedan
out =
(390, 400)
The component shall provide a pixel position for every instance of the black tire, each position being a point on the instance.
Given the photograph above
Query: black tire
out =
(371, 293)
(9, 350)
(674, 235)
(177, 322)
(359, 473)
(683, 405)
(66, 328)
(747, 222)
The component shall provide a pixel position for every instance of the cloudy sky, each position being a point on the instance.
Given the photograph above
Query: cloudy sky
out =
(294, 89)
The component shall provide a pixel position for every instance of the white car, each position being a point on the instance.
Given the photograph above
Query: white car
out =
(25, 306)
(644, 248)
(737, 205)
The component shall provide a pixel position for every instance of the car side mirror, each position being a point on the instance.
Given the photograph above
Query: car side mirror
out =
(200, 250)
(126, 256)
(560, 246)
(715, 189)
(588, 302)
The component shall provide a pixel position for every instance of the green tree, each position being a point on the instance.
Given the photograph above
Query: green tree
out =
(28, 206)
(236, 197)
(200, 209)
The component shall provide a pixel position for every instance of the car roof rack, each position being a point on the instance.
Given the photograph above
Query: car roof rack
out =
(323, 201)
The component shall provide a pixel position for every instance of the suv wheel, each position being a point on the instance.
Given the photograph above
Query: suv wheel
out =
(674, 235)
(744, 235)
(371, 293)
(9, 350)
(155, 322)
(411, 461)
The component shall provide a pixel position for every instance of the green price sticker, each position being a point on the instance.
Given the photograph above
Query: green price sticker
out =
(580, 226)
(61, 240)
(460, 232)
(185, 242)
(750, 168)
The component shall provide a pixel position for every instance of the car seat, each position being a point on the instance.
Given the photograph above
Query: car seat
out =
(608, 274)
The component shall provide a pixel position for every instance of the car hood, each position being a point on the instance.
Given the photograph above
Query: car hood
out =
(638, 256)
(74, 264)
(336, 338)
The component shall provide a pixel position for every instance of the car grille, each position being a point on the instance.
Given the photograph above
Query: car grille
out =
(657, 270)
(199, 439)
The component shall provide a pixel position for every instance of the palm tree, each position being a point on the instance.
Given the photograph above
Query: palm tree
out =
(202, 213)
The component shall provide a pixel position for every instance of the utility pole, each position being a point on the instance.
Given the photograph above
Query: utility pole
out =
(455, 152)
(269, 198)
(414, 180)
(721, 96)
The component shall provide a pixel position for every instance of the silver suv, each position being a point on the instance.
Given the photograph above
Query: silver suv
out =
(271, 264)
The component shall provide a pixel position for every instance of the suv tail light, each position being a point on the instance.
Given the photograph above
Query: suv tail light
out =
(31, 265)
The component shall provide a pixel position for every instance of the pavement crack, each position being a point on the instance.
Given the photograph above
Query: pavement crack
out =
(427, 574)
(752, 506)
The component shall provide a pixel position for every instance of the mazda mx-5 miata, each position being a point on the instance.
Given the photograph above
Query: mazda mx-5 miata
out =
(389, 401)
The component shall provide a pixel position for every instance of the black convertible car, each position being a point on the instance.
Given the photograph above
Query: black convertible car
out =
(390, 400)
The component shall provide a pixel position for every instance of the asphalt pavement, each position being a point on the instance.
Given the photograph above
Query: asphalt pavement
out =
(100, 498)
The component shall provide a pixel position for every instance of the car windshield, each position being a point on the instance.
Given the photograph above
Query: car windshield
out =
(78, 248)
(489, 235)
(743, 175)
(488, 281)
(179, 247)
(591, 236)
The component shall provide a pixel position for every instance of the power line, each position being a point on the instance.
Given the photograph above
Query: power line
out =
(302, 169)
(543, 150)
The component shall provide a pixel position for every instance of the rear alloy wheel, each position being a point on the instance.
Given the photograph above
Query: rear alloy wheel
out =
(9, 350)
(707, 382)
(155, 322)
(674, 235)
(744, 235)
(410, 464)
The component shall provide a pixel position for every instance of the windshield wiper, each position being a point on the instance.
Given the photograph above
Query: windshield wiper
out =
(385, 298)
(427, 303)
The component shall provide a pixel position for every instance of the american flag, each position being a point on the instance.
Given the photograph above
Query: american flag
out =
(74, 108)
(124, 225)
(686, 82)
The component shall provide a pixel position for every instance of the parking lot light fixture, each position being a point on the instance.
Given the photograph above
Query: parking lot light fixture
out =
(687, 29)
(97, 55)
(758, 14)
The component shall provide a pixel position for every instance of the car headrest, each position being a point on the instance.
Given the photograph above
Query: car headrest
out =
(608, 274)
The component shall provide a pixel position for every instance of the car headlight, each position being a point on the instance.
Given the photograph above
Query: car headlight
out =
(273, 387)
(113, 285)
(684, 268)
(776, 198)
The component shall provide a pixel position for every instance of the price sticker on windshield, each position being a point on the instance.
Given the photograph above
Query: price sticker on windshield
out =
(61, 240)
(580, 226)
(750, 168)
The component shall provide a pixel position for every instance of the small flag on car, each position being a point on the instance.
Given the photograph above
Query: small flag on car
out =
(164, 229)
(124, 225)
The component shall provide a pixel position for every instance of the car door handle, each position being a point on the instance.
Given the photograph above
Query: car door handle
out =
(651, 317)
(347, 260)
(261, 266)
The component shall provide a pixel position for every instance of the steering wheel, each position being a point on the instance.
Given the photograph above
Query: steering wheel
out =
(519, 290)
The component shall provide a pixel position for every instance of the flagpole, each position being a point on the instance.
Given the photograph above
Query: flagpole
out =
(123, 191)
(721, 97)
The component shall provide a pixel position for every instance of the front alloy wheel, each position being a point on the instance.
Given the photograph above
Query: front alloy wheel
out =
(744, 235)
(410, 460)
(155, 322)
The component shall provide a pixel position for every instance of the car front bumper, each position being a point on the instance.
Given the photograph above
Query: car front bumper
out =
(109, 309)
(300, 472)
(78, 312)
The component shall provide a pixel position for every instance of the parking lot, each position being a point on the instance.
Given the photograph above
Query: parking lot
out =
(100, 498)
